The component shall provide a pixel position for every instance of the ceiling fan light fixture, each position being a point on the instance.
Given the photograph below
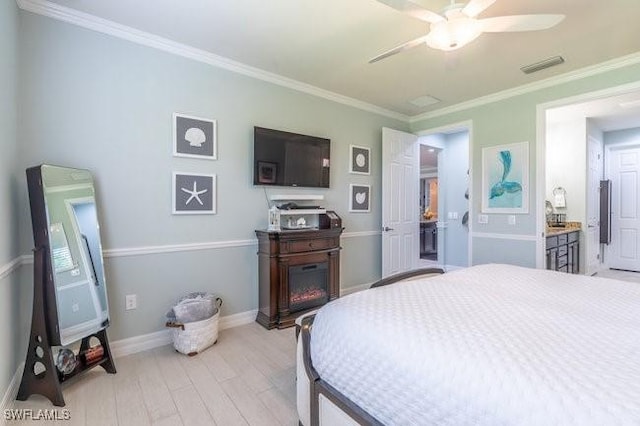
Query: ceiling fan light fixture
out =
(458, 25)
(453, 34)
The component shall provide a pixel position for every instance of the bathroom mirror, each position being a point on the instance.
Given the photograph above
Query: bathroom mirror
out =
(65, 226)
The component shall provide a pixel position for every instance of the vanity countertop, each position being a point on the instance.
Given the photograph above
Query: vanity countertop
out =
(569, 227)
(428, 221)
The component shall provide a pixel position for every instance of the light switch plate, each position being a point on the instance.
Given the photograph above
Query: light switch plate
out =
(483, 218)
(131, 302)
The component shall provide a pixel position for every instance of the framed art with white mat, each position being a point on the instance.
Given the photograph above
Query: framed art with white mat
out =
(359, 160)
(193, 193)
(359, 198)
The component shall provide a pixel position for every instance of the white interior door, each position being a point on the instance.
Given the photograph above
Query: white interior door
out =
(592, 235)
(400, 196)
(624, 172)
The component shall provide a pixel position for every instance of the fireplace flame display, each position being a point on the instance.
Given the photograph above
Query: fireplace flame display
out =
(308, 286)
(307, 294)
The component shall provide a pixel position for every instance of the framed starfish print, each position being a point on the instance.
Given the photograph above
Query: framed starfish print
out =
(194, 193)
(505, 178)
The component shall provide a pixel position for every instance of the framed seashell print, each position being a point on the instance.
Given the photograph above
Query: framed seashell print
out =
(359, 160)
(359, 198)
(194, 137)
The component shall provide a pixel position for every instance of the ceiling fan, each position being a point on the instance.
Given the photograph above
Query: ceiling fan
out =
(458, 25)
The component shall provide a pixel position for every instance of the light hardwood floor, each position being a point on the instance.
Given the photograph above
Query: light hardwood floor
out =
(247, 378)
(630, 276)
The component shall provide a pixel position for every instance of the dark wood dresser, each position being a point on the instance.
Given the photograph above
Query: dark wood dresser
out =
(298, 271)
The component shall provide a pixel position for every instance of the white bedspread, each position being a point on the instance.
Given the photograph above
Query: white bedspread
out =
(487, 345)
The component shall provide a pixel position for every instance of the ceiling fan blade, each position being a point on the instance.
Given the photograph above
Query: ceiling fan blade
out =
(406, 46)
(413, 9)
(519, 23)
(475, 7)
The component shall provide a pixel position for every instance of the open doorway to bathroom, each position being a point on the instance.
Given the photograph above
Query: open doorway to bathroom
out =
(444, 197)
(591, 148)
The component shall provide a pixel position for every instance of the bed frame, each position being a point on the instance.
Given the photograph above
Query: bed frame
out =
(323, 404)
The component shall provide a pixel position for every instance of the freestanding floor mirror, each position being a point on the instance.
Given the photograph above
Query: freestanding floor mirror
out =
(70, 297)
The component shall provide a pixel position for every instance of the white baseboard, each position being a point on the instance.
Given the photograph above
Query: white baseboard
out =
(354, 289)
(11, 393)
(132, 345)
(236, 320)
(449, 268)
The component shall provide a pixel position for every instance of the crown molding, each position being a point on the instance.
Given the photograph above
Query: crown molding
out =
(91, 22)
(94, 23)
(589, 71)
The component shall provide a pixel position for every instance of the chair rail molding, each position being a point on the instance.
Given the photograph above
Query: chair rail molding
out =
(8, 268)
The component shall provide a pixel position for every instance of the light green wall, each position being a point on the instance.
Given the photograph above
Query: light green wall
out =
(9, 305)
(508, 121)
(626, 136)
(92, 101)
(8, 129)
(455, 163)
(96, 102)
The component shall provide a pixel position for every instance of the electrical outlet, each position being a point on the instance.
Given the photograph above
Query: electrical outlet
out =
(512, 219)
(75, 307)
(130, 302)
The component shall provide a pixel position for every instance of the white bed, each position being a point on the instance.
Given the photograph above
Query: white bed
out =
(487, 345)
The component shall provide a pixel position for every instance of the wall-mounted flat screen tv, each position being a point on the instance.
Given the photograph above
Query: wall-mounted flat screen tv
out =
(289, 159)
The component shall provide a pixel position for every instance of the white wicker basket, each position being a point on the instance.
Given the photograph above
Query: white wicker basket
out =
(192, 338)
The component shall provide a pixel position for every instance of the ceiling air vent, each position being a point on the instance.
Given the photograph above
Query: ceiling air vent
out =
(424, 101)
(538, 66)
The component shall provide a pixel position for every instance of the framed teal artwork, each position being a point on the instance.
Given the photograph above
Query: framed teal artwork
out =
(505, 178)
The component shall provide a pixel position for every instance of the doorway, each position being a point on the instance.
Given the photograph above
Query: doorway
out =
(623, 168)
(403, 207)
(444, 216)
(573, 154)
